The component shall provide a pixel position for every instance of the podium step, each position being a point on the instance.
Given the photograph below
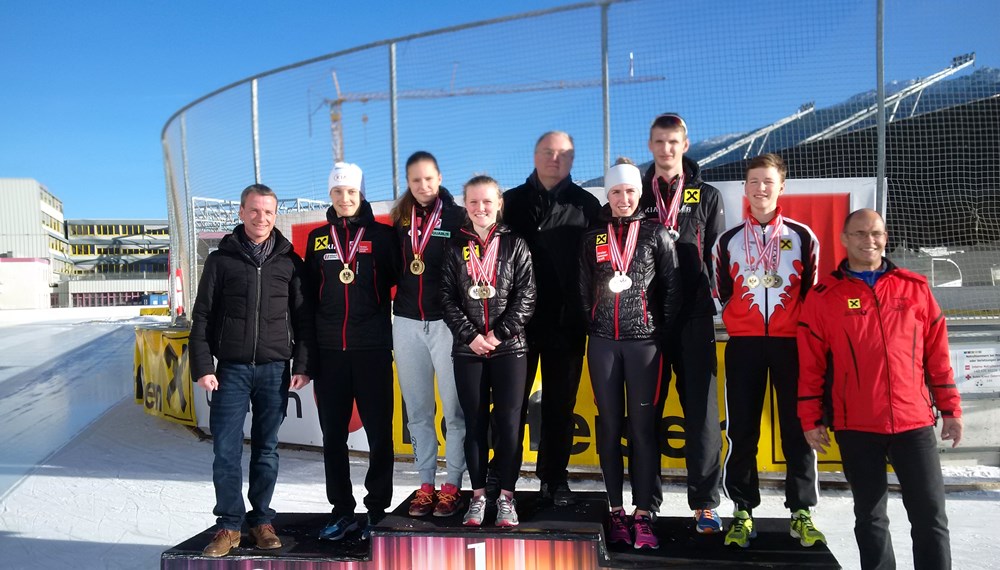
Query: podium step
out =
(548, 537)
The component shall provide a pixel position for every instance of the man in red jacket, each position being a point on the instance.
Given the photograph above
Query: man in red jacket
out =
(888, 345)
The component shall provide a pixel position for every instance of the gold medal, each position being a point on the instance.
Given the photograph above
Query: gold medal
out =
(346, 275)
(417, 266)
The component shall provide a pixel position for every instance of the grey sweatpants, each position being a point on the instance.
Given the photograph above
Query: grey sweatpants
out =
(421, 349)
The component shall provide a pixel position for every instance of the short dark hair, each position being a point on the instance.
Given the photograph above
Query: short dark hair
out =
(258, 189)
(671, 121)
(767, 161)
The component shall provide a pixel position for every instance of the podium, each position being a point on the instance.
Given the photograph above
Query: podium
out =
(548, 537)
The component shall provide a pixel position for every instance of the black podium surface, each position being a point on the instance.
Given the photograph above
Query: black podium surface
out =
(548, 537)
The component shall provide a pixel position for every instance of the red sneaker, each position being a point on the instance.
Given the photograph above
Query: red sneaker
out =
(449, 500)
(423, 501)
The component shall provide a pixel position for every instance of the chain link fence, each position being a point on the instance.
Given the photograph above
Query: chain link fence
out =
(798, 79)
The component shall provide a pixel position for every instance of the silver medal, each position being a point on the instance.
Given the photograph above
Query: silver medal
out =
(753, 281)
(674, 234)
(620, 282)
(474, 291)
(776, 280)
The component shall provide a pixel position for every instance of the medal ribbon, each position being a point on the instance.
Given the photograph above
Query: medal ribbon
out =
(484, 270)
(352, 252)
(769, 253)
(418, 245)
(668, 216)
(622, 259)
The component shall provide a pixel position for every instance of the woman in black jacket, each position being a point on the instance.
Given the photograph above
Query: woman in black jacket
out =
(630, 288)
(425, 218)
(351, 263)
(488, 294)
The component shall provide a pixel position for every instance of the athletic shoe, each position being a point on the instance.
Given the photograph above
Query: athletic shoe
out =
(741, 530)
(506, 511)
(264, 537)
(338, 527)
(559, 493)
(477, 508)
(707, 521)
(423, 501)
(449, 500)
(374, 517)
(223, 541)
(802, 528)
(618, 528)
(642, 528)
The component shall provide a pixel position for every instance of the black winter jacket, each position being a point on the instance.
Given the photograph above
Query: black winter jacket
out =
(701, 219)
(353, 316)
(507, 312)
(418, 297)
(248, 313)
(652, 303)
(553, 222)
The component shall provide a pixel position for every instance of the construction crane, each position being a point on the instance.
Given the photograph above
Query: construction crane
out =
(336, 104)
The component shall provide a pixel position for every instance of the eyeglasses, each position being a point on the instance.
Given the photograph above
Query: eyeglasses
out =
(877, 234)
(669, 121)
(559, 154)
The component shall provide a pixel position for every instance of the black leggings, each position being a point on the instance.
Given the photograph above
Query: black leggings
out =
(480, 380)
(625, 375)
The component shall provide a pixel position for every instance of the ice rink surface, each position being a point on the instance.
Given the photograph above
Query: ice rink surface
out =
(87, 480)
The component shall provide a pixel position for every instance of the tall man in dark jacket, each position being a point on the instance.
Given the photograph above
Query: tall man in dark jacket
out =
(674, 194)
(551, 213)
(251, 315)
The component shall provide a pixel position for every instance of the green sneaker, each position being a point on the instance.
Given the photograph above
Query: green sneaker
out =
(741, 530)
(802, 528)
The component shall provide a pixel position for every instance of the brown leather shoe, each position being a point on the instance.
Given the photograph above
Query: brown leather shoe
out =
(264, 536)
(223, 541)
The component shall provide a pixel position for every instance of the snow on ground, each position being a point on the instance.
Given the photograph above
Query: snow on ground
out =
(115, 487)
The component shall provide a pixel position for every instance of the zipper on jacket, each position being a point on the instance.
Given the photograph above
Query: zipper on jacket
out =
(256, 320)
(885, 350)
(767, 299)
(486, 319)
(347, 297)
(645, 313)
(617, 298)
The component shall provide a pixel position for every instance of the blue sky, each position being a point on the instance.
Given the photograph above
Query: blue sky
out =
(86, 87)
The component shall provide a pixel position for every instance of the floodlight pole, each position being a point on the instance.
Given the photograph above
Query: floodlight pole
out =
(392, 120)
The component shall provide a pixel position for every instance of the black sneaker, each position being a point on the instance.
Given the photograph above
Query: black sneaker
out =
(558, 493)
(373, 519)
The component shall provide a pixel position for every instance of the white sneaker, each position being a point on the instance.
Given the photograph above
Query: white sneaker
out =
(506, 511)
(477, 508)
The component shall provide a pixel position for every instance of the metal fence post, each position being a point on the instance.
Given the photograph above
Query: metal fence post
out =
(392, 120)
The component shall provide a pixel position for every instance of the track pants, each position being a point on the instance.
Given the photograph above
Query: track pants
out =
(499, 379)
(689, 349)
(364, 376)
(625, 375)
(914, 456)
(422, 349)
(750, 361)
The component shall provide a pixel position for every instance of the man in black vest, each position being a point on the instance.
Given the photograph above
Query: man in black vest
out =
(551, 213)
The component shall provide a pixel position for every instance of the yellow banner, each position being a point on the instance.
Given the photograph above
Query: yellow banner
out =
(163, 375)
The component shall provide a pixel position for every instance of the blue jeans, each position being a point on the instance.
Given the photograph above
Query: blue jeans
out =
(264, 387)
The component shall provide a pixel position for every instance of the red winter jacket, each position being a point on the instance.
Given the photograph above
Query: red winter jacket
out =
(889, 347)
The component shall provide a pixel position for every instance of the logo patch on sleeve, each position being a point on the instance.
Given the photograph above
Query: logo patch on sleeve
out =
(786, 244)
(602, 239)
(322, 242)
(692, 195)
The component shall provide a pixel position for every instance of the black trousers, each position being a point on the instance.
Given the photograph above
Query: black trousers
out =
(364, 376)
(689, 350)
(625, 375)
(914, 456)
(749, 363)
(561, 371)
(479, 381)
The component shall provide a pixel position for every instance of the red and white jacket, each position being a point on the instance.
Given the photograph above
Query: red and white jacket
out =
(888, 346)
(763, 311)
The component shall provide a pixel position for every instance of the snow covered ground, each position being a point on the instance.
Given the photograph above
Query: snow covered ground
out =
(87, 480)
